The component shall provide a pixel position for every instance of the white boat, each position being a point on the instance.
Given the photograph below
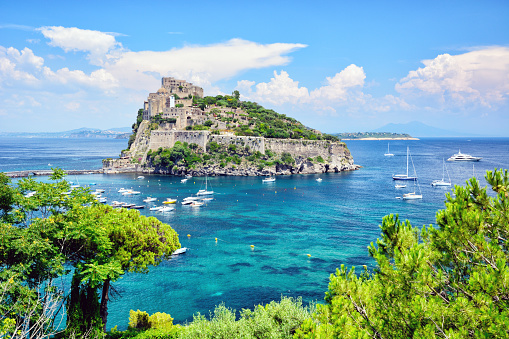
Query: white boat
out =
(102, 200)
(149, 199)
(138, 207)
(180, 251)
(388, 154)
(122, 190)
(442, 182)
(141, 177)
(31, 194)
(207, 199)
(463, 157)
(319, 179)
(166, 209)
(189, 176)
(269, 179)
(399, 186)
(196, 203)
(183, 180)
(405, 176)
(169, 201)
(205, 191)
(189, 200)
(412, 196)
(156, 208)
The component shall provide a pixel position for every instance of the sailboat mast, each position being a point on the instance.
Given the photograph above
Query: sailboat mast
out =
(407, 162)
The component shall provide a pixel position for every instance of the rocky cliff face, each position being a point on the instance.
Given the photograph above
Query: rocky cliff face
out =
(309, 156)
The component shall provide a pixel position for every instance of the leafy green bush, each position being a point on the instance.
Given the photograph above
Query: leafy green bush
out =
(320, 159)
(286, 158)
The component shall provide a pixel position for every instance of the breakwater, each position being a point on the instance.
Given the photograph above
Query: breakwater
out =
(28, 173)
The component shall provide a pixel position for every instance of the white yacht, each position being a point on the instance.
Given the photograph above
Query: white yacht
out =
(463, 157)
(412, 196)
(205, 191)
(269, 179)
(405, 176)
(388, 154)
(442, 182)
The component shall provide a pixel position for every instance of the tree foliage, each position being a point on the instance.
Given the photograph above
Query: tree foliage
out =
(451, 281)
(54, 232)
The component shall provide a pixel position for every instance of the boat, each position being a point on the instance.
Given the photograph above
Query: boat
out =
(141, 177)
(196, 203)
(388, 154)
(127, 205)
(122, 190)
(405, 176)
(189, 200)
(207, 199)
(31, 194)
(183, 180)
(269, 179)
(156, 208)
(149, 199)
(412, 196)
(189, 176)
(463, 157)
(442, 182)
(169, 201)
(102, 200)
(180, 251)
(399, 186)
(99, 190)
(130, 192)
(138, 207)
(205, 191)
(319, 179)
(166, 209)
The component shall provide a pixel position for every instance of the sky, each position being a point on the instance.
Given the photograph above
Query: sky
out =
(336, 66)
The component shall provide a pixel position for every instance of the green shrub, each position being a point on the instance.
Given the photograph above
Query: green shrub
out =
(320, 159)
(138, 320)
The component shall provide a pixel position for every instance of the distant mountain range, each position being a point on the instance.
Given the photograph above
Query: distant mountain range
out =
(84, 132)
(418, 129)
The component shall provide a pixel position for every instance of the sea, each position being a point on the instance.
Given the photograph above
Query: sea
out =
(255, 242)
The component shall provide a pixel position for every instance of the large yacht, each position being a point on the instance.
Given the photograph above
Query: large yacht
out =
(463, 157)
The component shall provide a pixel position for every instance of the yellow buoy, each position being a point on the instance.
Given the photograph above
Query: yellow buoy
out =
(216, 239)
(189, 235)
(309, 255)
(252, 246)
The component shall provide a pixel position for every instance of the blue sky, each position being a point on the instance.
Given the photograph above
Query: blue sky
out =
(337, 66)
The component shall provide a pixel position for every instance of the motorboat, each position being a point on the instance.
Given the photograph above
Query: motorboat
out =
(169, 201)
(102, 200)
(442, 182)
(138, 207)
(127, 205)
(405, 176)
(196, 203)
(205, 191)
(166, 209)
(31, 194)
(269, 179)
(399, 186)
(141, 177)
(319, 179)
(189, 200)
(189, 176)
(207, 199)
(130, 192)
(183, 180)
(180, 251)
(149, 199)
(463, 157)
(412, 196)
(99, 190)
(388, 154)
(155, 208)
(122, 190)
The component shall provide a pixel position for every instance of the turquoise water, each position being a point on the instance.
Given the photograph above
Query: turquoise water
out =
(334, 221)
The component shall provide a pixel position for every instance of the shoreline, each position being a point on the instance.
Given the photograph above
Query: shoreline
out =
(27, 173)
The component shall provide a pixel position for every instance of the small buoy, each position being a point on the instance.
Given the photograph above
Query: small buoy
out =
(295, 188)
(275, 191)
(189, 235)
(252, 246)
(216, 239)
(309, 255)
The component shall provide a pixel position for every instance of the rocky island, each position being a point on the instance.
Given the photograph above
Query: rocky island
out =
(180, 132)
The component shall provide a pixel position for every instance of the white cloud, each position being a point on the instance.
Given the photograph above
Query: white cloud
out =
(476, 78)
(73, 106)
(337, 88)
(97, 44)
(281, 89)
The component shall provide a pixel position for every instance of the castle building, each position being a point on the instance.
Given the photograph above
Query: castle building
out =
(174, 100)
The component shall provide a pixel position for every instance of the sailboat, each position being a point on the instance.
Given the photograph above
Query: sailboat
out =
(442, 182)
(388, 154)
(405, 176)
(205, 191)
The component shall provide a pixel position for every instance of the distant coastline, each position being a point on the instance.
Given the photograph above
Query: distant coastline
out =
(371, 138)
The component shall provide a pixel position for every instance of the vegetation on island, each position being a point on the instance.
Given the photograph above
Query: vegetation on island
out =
(184, 156)
(378, 135)
(448, 281)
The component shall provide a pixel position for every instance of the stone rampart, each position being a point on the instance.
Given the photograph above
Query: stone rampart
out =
(254, 143)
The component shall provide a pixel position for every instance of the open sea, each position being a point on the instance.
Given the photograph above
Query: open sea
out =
(333, 220)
